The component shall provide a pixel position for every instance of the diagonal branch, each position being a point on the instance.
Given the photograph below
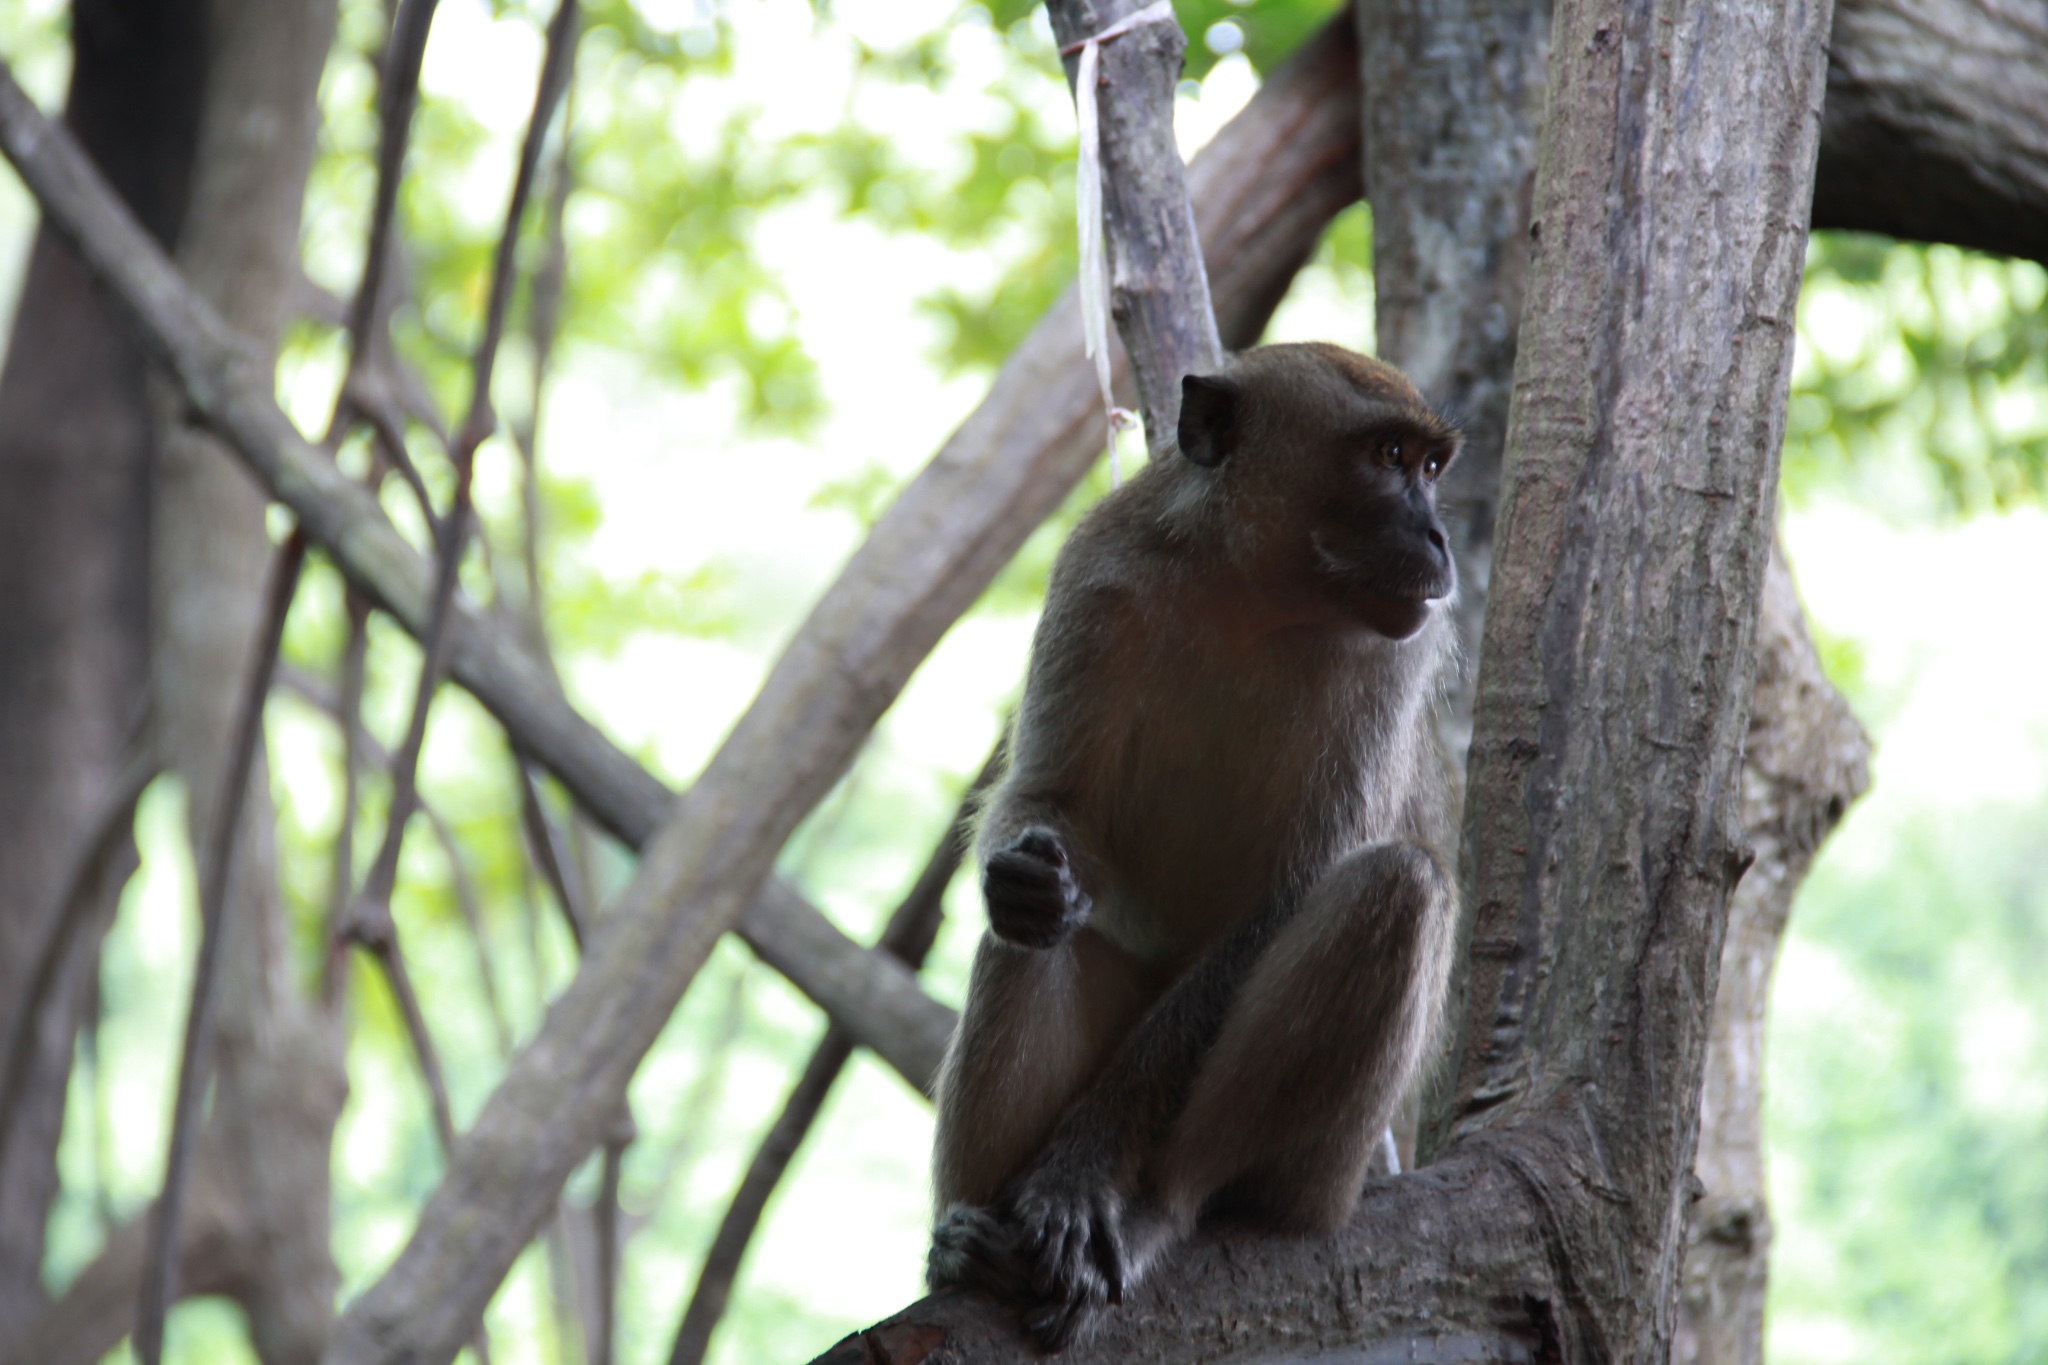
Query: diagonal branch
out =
(909, 935)
(1262, 192)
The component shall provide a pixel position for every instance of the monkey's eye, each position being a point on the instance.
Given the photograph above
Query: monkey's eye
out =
(1390, 455)
(1432, 467)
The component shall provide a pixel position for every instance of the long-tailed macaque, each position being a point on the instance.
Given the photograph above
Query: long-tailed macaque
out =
(1219, 924)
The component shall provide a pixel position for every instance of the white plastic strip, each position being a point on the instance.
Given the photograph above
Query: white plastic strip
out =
(1094, 284)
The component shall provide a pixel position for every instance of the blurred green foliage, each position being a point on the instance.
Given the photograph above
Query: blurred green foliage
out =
(1908, 1096)
(1922, 382)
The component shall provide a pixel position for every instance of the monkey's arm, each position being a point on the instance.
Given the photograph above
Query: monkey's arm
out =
(1039, 874)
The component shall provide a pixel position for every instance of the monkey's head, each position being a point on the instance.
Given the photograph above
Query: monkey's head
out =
(1325, 464)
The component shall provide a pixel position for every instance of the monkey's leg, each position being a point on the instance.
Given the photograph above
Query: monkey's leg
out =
(1327, 1032)
(1266, 1072)
(1037, 1028)
(1078, 1209)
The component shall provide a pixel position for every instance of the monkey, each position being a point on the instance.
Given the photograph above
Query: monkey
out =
(1219, 919)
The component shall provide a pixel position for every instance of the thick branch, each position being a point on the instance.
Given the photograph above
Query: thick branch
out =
(1450, 146)
(95, 1311)
(1937, 123)
(912, 928)
(1602, 833)
(1159, 292)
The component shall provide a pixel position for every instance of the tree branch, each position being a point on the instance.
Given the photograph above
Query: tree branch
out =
(1159, 292)
(104, 860)
(1936, 123)
(96, 1310)
(909, 935)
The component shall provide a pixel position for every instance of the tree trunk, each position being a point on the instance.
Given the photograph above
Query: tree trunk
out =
(1805, 760)
(1453, 96)
(75, 450)
(279, 1074)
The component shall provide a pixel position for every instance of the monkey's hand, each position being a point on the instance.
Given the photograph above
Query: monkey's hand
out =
(1071, 1215)
(1033, 899)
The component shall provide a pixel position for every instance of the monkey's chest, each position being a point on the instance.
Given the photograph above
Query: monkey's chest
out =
(1213, 806)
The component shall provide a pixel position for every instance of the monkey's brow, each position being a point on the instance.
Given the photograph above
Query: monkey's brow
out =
(1391, 422)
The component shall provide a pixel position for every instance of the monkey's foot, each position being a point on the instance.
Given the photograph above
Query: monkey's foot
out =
(973, 1247)
(1089, 1247)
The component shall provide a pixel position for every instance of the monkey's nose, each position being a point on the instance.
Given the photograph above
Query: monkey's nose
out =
(1443, 548)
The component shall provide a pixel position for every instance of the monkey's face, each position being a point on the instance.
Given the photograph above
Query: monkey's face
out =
(1329, 463)
(1375, 536)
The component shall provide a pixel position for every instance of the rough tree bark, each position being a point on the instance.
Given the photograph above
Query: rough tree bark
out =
(1937, 123)
(258, 1225)
(1455, 95)
(75, 451)
(1159, 292)
(1451, 122)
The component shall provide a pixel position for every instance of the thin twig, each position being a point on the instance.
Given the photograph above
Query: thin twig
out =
(912, 929)
(160, 1264)
(369, 921)
(398, 94)
(606, 1227)
(347, 710)
(371, 405)
(370, 753)
(550, 853)
(139, 766)
(471, 906)
(383, 874)
(384, 946)
(554, 78)
(544, 305)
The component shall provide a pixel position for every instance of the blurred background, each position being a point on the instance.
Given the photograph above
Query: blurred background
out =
(799, 239)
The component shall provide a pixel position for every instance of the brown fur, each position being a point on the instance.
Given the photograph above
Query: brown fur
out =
(1238, 769)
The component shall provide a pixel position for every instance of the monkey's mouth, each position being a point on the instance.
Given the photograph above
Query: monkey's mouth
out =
(1412, 579)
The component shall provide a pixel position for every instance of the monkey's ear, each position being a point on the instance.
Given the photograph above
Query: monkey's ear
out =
(1208, 418)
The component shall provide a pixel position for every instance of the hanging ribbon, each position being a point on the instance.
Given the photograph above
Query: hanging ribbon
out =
(1094, 283)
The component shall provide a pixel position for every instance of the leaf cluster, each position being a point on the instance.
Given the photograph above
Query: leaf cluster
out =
(1921, 386)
